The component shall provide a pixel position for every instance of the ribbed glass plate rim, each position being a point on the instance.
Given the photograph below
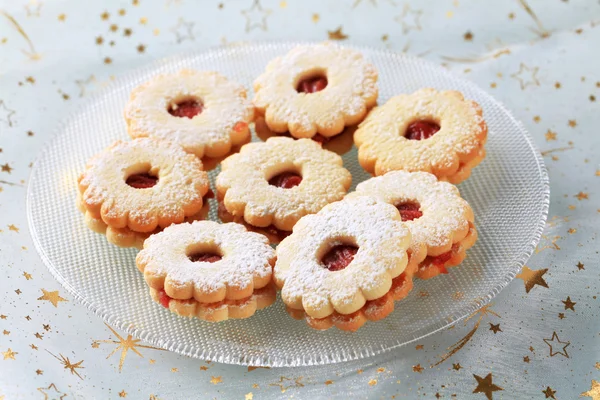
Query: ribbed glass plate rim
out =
(272, 361)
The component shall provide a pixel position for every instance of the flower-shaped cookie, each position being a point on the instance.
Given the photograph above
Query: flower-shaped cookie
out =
(281, 180)
(440, 220)
(206, 261)
(142, 185)
(316, 89)
(341, 257)
(202, 111)
(431, 131)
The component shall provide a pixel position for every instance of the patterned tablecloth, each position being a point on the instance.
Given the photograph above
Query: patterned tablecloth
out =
(538, 339)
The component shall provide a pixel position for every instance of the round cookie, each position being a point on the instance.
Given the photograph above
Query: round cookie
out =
(316, 89)
(202, 111)
(432, 131)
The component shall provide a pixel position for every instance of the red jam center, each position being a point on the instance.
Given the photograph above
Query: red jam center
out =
(187, 109)
(339, 257)
(285, 180)
(204, 257)
(421, 130)
(440, 261)
(409, 211)
(312, 85)
(141, 181)
(163, 298)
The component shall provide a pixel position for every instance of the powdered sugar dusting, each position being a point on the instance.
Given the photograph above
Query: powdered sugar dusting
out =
(245, 255)
(368, 223)
(444, 211)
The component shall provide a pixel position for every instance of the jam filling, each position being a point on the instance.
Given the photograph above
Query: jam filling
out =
(409, 211)
(439, 261)
(421, 130)
(141, 181)
(286, 180)
(187, 109)
(204, 257)
(163, 298)
(312, 85)
(339, 257)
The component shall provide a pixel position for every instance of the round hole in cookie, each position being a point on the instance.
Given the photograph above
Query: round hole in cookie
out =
(421, 130)
(409, 210)
(144, 178)
(312, 81)
(339, 256)
(284, 176)
(204, 253)
(187, 107)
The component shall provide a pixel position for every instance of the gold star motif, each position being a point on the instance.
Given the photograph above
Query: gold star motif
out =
(592, 97)
(526, 359)
(99, 40)
(6, 168)
(5, 332)
(52, 297)
(143, 21)
(54, 394)
(537, 119)
(549, 393)
(127, 32)
(95, 345)
(125, 345)
(18, 291)
(27, 276)
(283, 388)
(486, 386)
(107, 60)
(315, 18)
(33, 346)
(572, 231)
(532, 278)
(256, 16)
(555, 339)
(524, 80)
(39, 336)
(215, 380)
(328, 382)
(13, 228)
(419, 347)
(183, 30)
(141, 48)
(594, 391)
(114, 28)
(456, 367)
(598, 172)
(495, 328)
(39, 372)
(597, 366)
(105, 15)
(580, 266)
(67, 364)
(550, 135)
(9, 354)
(569, 305)
(337, 34)
(557, 85)
(62, 17)
(46, 327)
(122, 12)
(3, 316)
(33, 8)
(203, 368)
(468, 36)
(572, 123)
(6, 114)
(248, 396)
(174, 370)
(581, 196)
(417, 368)
(410, 19)
(123, 393)
(373, 382)
(561, 315)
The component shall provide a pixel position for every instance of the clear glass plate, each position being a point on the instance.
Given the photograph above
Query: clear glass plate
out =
(509, 194)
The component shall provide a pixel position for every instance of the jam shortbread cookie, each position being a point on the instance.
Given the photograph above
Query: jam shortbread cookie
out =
(142, 185)
(441, 222)
(316, 89)
(202, 111)
(205, 266)
(431, 131)
(275, 183)
(340, 263)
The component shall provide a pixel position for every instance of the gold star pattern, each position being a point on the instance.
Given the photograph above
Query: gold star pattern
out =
(550, 135)
(114, 28)
(256, 16)
(572, 231)
(39, 336)
(39, 372)
(526, 359)
(592, 97)
(141, 48)
(27, 276)
(581, 196)
(549, 393)
(597, 366)
(532, 277)
(33, 346)
(52, 395)
(537, 119)
(9, 354)
(557, 85)
(495, 328)
(580, 266)
(105, 15)
(215, 380)
(183, 30)
(337, 34)
(561, 315)
(99, 40)
(328, 382)
(598, 172)
(123, 393)
(248, 396)
(5, 332)
(95, 345)
(127, 32)
(572, 123)
(107, 60)
(468, 36)
(13, 228)
(46, 327)
(315, 18)
(555, 340)
(419, 347)
(67, 364)
(52, 297)
(6, 168)
(409, 19)
(594, 391)
(125, 345)
(456, 367)
(18, 291)
(62, 17)
(6, 114)
(569, 305)
(486, 386)
(33, 8)
(373, 382)
(526, 76)
(203, 368)
(3, 316)
(283, 388)
(417, 368)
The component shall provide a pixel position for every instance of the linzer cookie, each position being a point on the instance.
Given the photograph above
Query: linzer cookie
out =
(271, 185)
(345, 265)
(441, 222)
(316, 90)
(135, 188)
(433, 131)
(202, 111)
(208, 270)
